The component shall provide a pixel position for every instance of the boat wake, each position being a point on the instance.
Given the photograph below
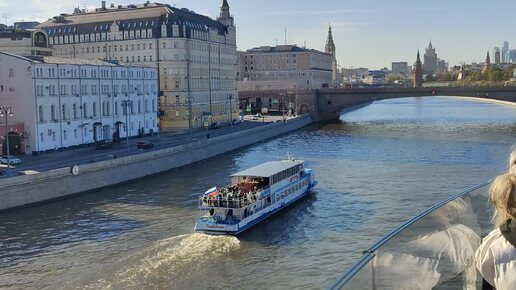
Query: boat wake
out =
(174, 259)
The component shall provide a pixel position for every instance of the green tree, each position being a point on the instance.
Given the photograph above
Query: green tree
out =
(430, 78)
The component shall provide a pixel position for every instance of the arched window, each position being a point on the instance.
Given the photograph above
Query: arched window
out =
(40, 40)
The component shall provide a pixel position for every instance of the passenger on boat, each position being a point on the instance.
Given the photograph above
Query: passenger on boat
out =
(496, 256)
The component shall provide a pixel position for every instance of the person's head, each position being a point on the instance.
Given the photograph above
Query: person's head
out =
(503, 197)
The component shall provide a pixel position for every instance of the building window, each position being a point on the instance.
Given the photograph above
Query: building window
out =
(65, 135)
(84, 111)
(74, 111)
(116, 108)
(11, 72)
(94, 109)
(63, 111)
(52, 113)
(40, 112)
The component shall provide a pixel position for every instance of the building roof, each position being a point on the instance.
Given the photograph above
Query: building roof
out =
(282, 49)
(15, 34)
(60, 60)
(269, 168)
(146, 16)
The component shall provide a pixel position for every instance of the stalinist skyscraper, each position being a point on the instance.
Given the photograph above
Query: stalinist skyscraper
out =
(330, 48)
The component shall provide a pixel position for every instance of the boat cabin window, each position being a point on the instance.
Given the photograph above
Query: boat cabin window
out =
(286, 173)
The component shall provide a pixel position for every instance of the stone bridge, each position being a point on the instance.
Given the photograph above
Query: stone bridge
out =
(328, 104)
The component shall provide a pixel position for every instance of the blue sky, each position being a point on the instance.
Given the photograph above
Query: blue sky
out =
(369, 33)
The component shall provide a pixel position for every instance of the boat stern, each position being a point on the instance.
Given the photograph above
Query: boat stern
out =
(212, 226)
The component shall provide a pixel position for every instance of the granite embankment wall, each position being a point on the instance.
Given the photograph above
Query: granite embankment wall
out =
(29, 189)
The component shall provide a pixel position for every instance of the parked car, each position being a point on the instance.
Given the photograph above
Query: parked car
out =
(215, 125)
(13, 160)
(236, 122)
(144, 145)
(104, 145)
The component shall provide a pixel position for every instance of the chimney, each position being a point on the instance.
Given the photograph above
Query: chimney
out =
(103, 5)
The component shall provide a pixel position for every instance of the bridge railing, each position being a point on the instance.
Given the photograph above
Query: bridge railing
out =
(433, 250)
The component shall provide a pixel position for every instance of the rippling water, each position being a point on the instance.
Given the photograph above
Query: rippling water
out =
(377, 167)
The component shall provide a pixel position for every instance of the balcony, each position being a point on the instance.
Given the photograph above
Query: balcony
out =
(433, 250)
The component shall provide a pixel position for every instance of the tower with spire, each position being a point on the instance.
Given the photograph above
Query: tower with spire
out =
(226, 19)
(487, 64)
(330, 49)
(418, 72)
(430, 60)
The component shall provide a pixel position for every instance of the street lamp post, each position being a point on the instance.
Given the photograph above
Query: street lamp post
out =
(189, 100)
(230, 98)
(6, 112)
(126, 104)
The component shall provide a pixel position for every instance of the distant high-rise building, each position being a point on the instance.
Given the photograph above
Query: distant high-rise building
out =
(400, 68)
(505, 52)
(496, 53)
(487, 64)
(430, 64)
(330, 49)
(442, 66)
(418, 73)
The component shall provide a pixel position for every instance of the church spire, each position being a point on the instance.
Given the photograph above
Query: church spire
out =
(487, 64)
(330, 49)
(418, 72)
(330, 45)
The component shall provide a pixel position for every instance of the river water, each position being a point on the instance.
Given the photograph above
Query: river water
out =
(377, 167)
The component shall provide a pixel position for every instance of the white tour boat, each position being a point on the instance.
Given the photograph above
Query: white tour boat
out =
(254, 195)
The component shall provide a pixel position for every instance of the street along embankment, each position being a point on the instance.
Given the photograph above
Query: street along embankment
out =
(26, 190)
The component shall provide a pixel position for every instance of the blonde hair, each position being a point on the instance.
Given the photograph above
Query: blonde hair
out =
(512, 161)
(503, 197)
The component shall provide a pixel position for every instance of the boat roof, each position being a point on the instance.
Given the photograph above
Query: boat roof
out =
(269, 168)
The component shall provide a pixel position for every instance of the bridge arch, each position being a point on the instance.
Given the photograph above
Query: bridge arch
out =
(332, 102)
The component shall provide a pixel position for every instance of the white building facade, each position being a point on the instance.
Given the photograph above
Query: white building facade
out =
(195, 55)
(71, 102)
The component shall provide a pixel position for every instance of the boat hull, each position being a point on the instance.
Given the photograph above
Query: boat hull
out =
(213, 227)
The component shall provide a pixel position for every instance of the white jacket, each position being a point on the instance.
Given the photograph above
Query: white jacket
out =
(496, 261)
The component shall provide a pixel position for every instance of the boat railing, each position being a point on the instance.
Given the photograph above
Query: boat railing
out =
(433, 250)
(230, 202)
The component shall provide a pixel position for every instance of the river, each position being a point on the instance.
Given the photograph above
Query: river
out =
(377, 167)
